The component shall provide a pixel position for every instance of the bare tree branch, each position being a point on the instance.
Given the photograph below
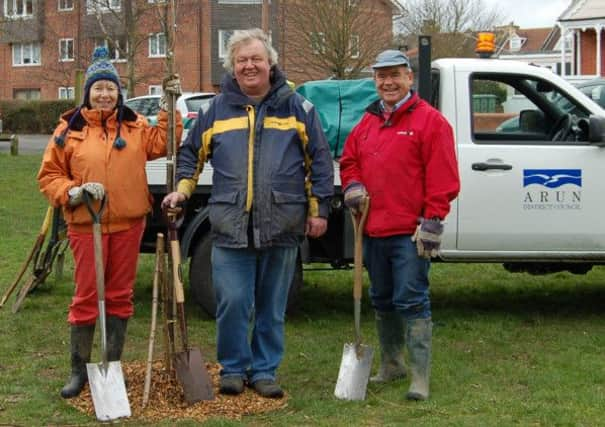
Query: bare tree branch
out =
(450, 23)
(335, 38)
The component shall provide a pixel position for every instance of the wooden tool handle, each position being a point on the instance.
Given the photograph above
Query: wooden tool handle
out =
(99, 269)
(358, 226)
(176, 271)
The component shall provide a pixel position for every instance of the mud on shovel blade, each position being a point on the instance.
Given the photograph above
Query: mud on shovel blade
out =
(105, 379)
(356, 363)
(189, 365)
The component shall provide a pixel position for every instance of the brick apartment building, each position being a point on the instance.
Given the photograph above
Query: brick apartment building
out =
(43, 43)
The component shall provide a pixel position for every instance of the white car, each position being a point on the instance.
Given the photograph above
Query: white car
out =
(189, 104)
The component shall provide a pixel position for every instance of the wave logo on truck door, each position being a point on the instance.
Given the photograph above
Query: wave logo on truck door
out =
(552, 189)
(552, 178)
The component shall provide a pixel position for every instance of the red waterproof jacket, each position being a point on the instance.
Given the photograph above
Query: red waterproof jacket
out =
(407, 164)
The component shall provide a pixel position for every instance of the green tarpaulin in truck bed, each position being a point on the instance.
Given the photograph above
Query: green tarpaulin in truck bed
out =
(340, 104)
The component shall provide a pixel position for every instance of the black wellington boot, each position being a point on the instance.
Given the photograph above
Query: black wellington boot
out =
(116, 335)
(81, 346)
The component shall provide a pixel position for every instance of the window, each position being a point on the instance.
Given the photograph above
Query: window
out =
(318, 43)
(595, 91)
(93, 6)
(223, 39)
(155, 89)
(515, 43)
(354, 46)
(18, 8)
(512, 109)
(156, 1)
(27, 94)
(117, 53)
(66, 4)
(26, 54)
(157, 45)
(66, 92)
(66, 50)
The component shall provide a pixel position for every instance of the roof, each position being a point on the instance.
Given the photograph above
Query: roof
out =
(584, 9)
(533, 40)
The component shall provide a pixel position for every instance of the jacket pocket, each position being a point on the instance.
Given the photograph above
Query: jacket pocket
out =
(224, 213)
(288, 213)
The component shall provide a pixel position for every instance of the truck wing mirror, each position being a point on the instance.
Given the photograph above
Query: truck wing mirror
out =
(596, 130)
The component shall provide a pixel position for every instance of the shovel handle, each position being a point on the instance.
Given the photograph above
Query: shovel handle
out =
(359, 222)
(95, 215)
(175, 250)
(99, 268)
(98, 242)
(177, 282)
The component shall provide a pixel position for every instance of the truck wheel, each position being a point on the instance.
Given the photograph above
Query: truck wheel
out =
(200, 278)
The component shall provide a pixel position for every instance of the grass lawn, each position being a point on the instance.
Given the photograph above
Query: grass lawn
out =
(508, 349)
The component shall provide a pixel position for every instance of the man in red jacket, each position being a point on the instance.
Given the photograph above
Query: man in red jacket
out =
(402, 155)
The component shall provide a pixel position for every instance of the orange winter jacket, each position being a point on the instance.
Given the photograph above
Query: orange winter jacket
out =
(82, 150)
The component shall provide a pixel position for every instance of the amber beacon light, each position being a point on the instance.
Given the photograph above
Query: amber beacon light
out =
(486, 44)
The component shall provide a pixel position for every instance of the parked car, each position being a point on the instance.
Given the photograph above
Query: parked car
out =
(594, 89)
(189, 104)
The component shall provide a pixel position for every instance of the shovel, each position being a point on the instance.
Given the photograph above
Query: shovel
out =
(190, 367)
(356, 361)
(106, 379)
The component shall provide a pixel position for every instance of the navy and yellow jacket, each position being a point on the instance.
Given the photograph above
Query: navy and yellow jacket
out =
(271, 165)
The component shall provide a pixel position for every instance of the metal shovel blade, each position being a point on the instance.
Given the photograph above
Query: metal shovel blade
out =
(354, 372)
(108, 391)
(192, 375)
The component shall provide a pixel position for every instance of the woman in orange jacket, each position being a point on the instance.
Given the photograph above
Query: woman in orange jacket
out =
(101, 148)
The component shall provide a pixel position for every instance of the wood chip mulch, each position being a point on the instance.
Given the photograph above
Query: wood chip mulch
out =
(166, 397)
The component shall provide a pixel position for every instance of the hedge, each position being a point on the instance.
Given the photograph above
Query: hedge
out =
(32, 116)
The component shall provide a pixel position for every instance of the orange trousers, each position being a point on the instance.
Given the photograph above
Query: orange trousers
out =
(120, 257)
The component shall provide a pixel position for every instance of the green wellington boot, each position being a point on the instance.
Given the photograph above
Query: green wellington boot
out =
(418, 336)
(390, 327)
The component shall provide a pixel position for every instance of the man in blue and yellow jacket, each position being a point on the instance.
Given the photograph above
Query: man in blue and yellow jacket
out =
(272, 183)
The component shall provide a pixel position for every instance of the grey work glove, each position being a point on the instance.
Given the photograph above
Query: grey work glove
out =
(170, 85)
(355, 193)
(428, 237)
(95, 189)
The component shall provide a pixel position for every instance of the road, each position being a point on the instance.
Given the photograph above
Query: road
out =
(28, 144)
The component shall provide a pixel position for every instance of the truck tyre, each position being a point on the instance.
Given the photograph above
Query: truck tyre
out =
(200, 278)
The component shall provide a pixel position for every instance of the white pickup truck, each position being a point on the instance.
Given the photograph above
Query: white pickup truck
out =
(531, 153)
(531, 191)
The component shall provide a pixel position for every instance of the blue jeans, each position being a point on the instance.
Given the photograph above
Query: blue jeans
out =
(252, 285)
(398, 276)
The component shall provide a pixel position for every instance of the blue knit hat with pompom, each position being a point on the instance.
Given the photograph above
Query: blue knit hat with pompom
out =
(100, 69)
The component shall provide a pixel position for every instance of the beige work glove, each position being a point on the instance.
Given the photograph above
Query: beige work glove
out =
(428, 237)
(355, 194)
(94, 189)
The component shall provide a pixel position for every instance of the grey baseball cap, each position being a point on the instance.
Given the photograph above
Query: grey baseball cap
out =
(391, 58)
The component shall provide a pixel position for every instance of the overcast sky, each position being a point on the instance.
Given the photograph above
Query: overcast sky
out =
(530, 13)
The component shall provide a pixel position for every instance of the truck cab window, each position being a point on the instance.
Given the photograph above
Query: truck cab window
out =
(513, 109)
